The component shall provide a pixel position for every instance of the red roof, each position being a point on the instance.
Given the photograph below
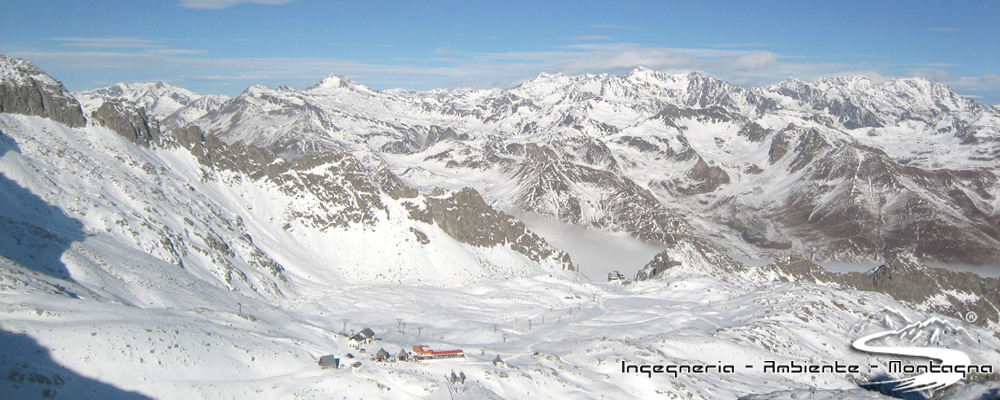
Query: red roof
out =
(424, 349)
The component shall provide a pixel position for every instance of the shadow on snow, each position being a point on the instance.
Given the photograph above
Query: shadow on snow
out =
(27, 372)
(32, 232)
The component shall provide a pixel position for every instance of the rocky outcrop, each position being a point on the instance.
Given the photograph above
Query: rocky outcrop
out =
(25, 89)
(702, 178)
(130, 122)
(465, 216)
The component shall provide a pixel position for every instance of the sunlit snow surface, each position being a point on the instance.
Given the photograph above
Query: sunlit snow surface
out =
(581, 333)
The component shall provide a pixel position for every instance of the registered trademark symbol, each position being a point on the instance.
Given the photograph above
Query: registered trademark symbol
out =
(971, 316)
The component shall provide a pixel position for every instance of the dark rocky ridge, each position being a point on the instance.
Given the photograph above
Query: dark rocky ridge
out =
(25, 89)
(465, 216)
(130, 122)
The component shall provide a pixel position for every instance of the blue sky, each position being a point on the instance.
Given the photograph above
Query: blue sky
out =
(223, 46)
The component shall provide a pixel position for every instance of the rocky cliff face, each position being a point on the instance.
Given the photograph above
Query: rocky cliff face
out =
(130, 122)
(25, 89)
(466, 217)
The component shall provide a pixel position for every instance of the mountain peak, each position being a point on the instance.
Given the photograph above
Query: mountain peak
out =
(645, 74)
(853, 83)
(335, 81)
(26, 89)
(16, 70)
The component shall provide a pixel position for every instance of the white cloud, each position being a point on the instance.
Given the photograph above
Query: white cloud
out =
(984, 84)
(219, 4)
(119, 42)
(755, 60)
(446, 50)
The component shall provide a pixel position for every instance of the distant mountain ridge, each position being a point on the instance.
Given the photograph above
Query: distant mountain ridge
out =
(837, 169)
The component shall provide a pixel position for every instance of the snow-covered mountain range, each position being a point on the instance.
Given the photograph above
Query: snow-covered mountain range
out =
(838, 169)
(156, 243)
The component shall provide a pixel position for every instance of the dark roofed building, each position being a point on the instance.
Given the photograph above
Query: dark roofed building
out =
(382, 355)
(329, 361)
(365, 336)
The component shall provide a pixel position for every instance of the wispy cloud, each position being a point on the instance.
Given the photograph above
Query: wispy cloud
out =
(446, 50)
(219, 4)
(590, 37)
(108, 43)
(755, 60)
(144, 46)
(173, 52)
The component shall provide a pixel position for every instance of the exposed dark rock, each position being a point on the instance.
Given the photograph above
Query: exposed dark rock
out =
(653, 269)
(349, 194)
(754, 132)
(779, 145)
(437, 134)
(759, 231)
(25, 89)
(702, 178)
(465, 216)
(421, 237)
(392, 185)
(130, 122)
(905, 279)
(546, 180)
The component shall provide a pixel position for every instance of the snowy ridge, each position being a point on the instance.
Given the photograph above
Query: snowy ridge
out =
(170, 104)
(159, 99)
(13, 70)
